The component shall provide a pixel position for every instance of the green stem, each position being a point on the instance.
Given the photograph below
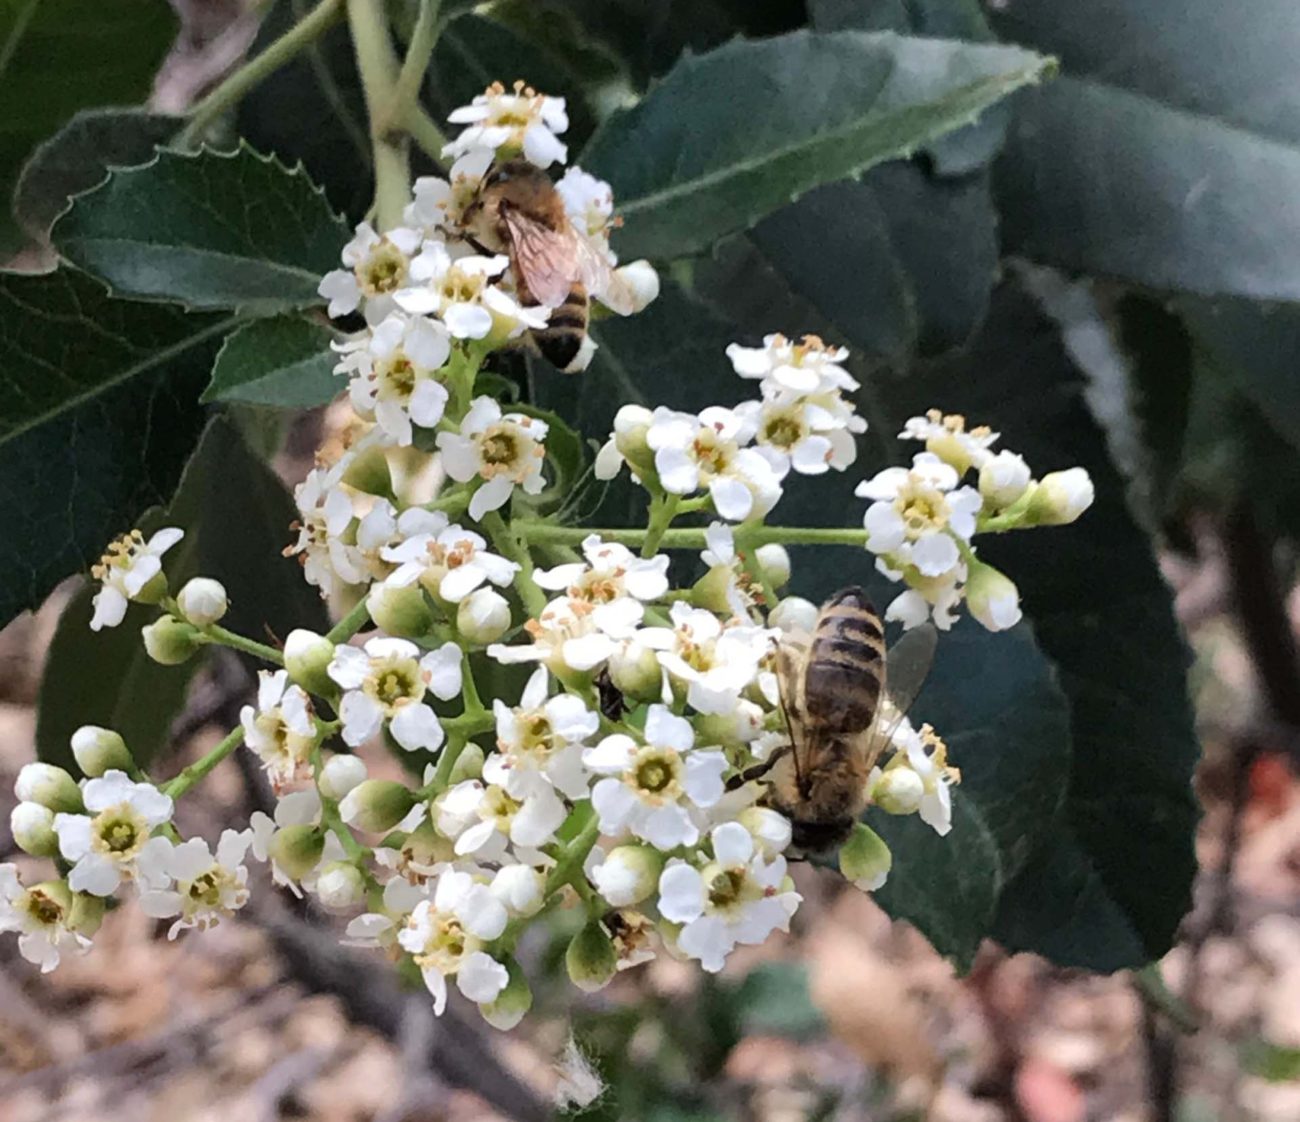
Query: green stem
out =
(446, 762)
(191, 775)
(376, 63)
(662, 511)
(350, 624)
(571, 860)
(469, 688)
(228, 92)
(505, 539)
(216, 634)
(425, 132)
(691, 537)
(406, 92)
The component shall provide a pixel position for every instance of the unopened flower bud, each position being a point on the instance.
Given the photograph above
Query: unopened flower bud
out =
(740, 724)
(306, 656)
(634, 670)
(521, 888)
(87, 913)
(1060, 497)
(591, 958)
(483, 616)
(1003, 479)
(424, 848)
(340, 774)
(643, 280)
(368, 472)
(899, 790)
(770, 830)
(297, 849)
(170, 641)
(468, 765)
(631, 424)
(340, 886)
(98, 750)
(629, 874)
(403, 612)
(376, 805)
(865, 858)
(202, 601)
(712, 592)
(32, 826)
(992, 596)
(512, 1003)
(774, 561)
(50, 786)
(794, 613)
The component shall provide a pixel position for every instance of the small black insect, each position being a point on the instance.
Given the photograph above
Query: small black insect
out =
(612, 704)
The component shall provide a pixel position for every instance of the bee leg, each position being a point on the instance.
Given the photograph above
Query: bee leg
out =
(757, 771)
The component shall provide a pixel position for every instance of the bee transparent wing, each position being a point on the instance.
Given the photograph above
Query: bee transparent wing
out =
(907, 665)
(791, 661)
(547, 260)
(595, 271)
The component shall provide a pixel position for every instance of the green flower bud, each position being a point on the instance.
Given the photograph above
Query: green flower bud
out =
(376, 805)
(483, 616)
(711, 590)
(202, 601)
(306, 657)
(50, 786)
(631, 424)
(992, 597)
(340, 774)
(591, 958)
(629, 874)
(87, 913)
(369, 472)
(512, 1003)
(899, 790)
(297, 849)
(865, 858)
(468, 765)
(32, 826)
(400, 611)
(774, 562)
(634, 670)
(340, 886)
(153, 591)
(424, 847)
(170, 641)
(98, 750)
(1060, 498)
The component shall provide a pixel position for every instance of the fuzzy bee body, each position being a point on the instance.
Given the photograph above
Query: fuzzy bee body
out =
(833, 691)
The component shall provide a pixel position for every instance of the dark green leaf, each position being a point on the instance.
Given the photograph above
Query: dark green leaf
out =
(59, 56)
(212, 230)
(312, 111)
(773, 1000)
(99, 408)
(78, 157)
(1275, 1062)
(285, 362)
(692, 162)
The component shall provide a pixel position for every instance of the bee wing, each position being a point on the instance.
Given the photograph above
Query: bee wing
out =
(791, 660)
(907, 665)
(547, 259)
(602, 282)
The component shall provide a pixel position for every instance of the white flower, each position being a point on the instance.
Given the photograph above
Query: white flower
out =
(450, 562)
(298, 808)
(520, 121)
(41, 916)
(325, 513)
(735, 898)
(393, 369)
(377, 266)
(588, 200)
(565, 637)
(460, 292)
(445, 935)
(481, 817)
(126, 567)
(380, 929)
(926, 754)
(544, 738)
(521, 888)
(104, 843)
(340, 774)
(934, 599)
(947, 437)
(438, 205)
(797, 432)
(807, 367)
(652, 788)
(387, 681)
(707, 452)
(206, 888)
(919, 514)
(280, 730)
(992, 597)
(1003, 479)
(717, 663)
(614, 581)
(502, 450)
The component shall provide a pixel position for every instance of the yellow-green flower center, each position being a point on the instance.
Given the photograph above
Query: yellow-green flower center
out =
(394, 681)
(119, 832)
(43, 908)
(383, 271)
(656, 774)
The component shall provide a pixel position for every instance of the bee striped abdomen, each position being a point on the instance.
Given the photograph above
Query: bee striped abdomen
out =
(561, 338)
(845, 671)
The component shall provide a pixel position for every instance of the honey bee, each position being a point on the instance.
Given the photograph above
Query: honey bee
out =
(517, 211)
(841, 708)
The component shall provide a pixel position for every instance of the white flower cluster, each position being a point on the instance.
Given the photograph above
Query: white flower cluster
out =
(621, 780)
